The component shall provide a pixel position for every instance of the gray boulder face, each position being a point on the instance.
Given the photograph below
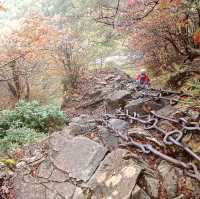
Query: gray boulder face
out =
(110, 140)
(79, 157)
(117, 99)
(119, 125)
(28, 187)
(47, 170)
(169, 177)
(81, 125)
(152, 186)
(139, 193)
(115, 178)
(142, 106)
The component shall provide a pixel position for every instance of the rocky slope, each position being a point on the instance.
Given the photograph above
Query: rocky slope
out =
(91, 158)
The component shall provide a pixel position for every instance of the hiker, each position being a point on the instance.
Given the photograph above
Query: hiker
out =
(143, 80)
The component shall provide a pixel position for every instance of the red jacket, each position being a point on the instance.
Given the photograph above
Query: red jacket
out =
(143, 79)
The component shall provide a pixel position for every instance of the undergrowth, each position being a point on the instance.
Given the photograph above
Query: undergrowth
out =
(28, 123)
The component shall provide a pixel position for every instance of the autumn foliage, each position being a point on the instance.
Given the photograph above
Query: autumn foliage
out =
(25, 53)
(166, 34)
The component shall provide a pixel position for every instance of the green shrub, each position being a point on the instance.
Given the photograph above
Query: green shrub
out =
(17, 138)
(34, 116)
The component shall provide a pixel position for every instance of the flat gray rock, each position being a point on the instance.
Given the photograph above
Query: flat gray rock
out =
(111, 141)
(47, 170)
(26, 187)
(79, 157)
(119, 125)
(29, 187)
(60, 190)
(115, 178)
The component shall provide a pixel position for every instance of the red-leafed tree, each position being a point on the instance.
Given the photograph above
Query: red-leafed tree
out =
(23, 52)
(165, 31)
(170, 33)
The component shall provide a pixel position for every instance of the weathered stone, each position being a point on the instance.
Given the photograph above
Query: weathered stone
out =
(117, 99)
(81, 125)
(116, 177)
(119, 125)
(167, 110)
(169, 177)
(142, 106)
(63, 190)
(152, 186)
(139, 193)
(46, 170)
(79, 157)
(26, 187)
(110, 140)
(78, 194)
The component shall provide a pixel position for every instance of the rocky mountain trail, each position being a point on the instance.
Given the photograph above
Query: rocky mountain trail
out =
(113, 147)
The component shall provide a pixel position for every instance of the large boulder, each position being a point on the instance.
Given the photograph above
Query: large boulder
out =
(142, 106)
(79, 157)
(116, 177)
(117, 99)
